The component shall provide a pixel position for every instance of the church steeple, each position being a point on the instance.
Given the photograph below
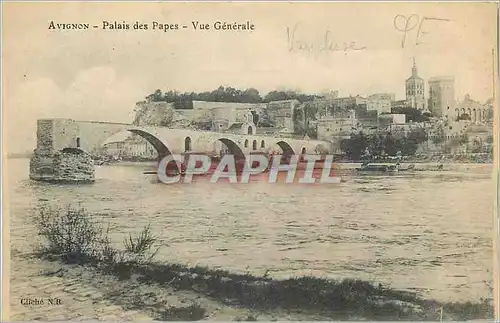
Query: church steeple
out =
(414, 69)
(415, 96)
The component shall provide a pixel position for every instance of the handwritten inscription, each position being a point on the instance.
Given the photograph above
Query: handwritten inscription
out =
(296, 44)
(406, 24)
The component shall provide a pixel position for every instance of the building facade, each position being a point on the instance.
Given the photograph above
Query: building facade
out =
(391, 119)
(380, 102)
(281, 113)
(348, 102)
(470, 110)
(442, 96)
(341, 125)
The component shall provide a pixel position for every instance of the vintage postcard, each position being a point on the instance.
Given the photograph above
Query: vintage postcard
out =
(249, 161)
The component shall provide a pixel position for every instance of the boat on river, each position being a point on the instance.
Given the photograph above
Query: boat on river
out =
(379, 167)
(384, 168)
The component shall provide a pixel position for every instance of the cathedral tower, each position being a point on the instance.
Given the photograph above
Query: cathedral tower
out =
(415, 96)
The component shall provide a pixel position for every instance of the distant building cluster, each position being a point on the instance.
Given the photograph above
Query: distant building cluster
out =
(328, 117)
(441, 114)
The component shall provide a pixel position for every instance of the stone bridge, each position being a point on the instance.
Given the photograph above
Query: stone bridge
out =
(57, 159)
(175, 141)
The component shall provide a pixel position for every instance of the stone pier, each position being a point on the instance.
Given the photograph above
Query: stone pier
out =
(64, 149)
(69, 165)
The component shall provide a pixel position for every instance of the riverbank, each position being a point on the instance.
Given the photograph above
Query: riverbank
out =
(175, 292)
(97, 281)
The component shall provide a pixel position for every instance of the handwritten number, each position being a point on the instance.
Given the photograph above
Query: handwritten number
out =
(404, 24)
(420, 32)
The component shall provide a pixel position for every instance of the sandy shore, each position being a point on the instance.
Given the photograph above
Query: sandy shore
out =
(86, 294)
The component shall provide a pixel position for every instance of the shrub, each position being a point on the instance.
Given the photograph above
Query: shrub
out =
(69, 233)
(140, 247)
(75, 237)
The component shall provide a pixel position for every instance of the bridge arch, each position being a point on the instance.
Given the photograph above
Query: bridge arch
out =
(233, 147)
(160, 147)
(287, 149)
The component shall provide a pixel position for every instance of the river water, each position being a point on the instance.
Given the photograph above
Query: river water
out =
(430, 232)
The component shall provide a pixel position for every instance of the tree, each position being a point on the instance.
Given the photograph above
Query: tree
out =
(477, 145)
(489, 114)
(409, 144)
(418, 136)
(311, 111)
(390, 145)
(276, 96)
(155, 97)
(289, 95)
(463, 139)
(376, 144)
(251, 95)
(264, 120)
(221, 94)
(412, 114)
(355, 147)
(439, 136)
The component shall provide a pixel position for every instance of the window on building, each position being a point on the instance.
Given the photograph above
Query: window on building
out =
(187, 144)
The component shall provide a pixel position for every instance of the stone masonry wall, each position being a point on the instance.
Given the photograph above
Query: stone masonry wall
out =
(45, 135)
(64, 147)
(73, 166)
(64, 133)
(66, 166)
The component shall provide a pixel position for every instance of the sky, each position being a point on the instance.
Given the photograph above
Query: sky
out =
(98, 74)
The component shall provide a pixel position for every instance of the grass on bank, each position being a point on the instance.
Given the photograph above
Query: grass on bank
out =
(71, 236)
